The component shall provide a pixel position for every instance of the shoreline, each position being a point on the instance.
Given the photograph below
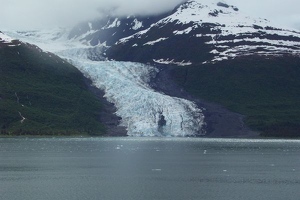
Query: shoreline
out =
(259, 138)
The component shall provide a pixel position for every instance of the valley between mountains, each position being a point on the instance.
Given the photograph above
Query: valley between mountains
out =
(203, 69)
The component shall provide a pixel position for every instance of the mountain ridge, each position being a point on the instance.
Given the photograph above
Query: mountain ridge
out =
(220, 32)
(209, 48)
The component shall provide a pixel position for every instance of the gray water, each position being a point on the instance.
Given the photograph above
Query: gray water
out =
(145, 168)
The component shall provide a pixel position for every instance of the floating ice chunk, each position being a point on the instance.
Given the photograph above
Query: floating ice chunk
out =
(156, 170)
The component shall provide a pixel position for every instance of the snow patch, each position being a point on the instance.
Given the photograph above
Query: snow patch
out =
(90, 25)
(172, 62)
(155, 41)
(4, 38)
(186, 31)
(114, 24)
(137, 24)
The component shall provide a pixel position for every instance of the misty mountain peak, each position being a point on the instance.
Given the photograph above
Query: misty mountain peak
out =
(195, 32)
(7, 41)
(4, 38)
(213, 4)
(201, 31)
(210, 11)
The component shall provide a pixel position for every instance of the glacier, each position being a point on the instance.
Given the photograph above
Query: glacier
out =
(144, 111)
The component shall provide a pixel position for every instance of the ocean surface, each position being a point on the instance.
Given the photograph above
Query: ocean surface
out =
(149, 168)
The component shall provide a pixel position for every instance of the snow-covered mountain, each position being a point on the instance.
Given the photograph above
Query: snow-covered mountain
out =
(194, 33)
(201, 31)
(8, 41)
(109, 30)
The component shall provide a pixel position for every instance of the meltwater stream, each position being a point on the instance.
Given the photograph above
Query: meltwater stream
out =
(144, 112)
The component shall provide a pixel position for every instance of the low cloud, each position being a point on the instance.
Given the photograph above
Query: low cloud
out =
(35, 14)
(282, 13)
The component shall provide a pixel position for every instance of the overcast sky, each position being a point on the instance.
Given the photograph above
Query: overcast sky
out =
(35, 14)
(282, 12)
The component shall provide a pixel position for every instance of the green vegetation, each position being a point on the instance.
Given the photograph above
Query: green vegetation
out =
(265, 90)
(48, 92)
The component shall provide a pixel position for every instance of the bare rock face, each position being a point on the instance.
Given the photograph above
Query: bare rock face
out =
(221, 4)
